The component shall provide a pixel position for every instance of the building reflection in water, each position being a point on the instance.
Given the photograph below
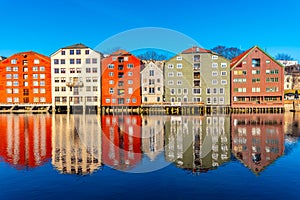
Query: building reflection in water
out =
(153, 135)
(25, 139)
(292, 131)
(121, 141)
(197, 144)
(76, 143)
(257, 140)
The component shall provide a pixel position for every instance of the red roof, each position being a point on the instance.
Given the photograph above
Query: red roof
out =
(239, 57)
(196, 49)
(120, 52)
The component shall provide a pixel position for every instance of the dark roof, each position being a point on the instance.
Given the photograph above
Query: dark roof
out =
(120, 52)
(76, 46)
(196, 49)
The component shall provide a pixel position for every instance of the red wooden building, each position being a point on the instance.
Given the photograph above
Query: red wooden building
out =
(121, 80)
(257, 80)
(25, 80)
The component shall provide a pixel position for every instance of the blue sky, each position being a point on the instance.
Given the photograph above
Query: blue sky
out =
(45, 26)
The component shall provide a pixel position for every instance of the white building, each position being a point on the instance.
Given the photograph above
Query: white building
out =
(286, 63)
(75, 78)
(152, 82)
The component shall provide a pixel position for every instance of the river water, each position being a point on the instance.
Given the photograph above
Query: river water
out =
(238, 156)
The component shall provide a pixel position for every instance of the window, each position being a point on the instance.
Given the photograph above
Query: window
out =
(57, 99)
(179, 74)
(8, 76)
(15, 69)
(111, 66)
(8, 83)
(185, 91)
(87, 52)
(107, 100)
(13, 61)
(78, 51)
(272, 80)
(223, 65)
(272, 89)
(158, 89)
(25, 83)
(208, 100)
(36, 90)
(272, 71)
(130, 73)
(62, 61)
(63, 52)
(208, 91)
(179, 82)
(72, 70)
(196, 58)
(35, 76)
(36, 61)
(240, 72)
(197, 91)
(63, 79)
(170, 74)
(120, 83)
(240, 90)
(110, 74)
(215, 100)
(179, 66)
(94, 61)
(56, 89)
(9, 99)
(35, 69)
(56, 70)
(255, 71)
(42, 99)
(130, 82)
(35, 83)
(72, 61)
(151, 90)
(78, 70)
(256, 80)
(63, 89)
(255, 62)
(71, 52)
(170, 82)
(223, 73)
(130, 66)
(42, 83)
(223, 82)
(87, 61)
(88, 88)
(111, 90)
(214, 82)
(170, 66)
(42, 68)
(214, 73)
(8, 69)
(197, 99)
(214, 57)
(25, 76)
(215, 91)
(63, 70)
(134, 100)
(25, 69)
(172, 91)
(56, 61)
(222, 91)
(130, 91)
(121, 101)
(196, 66)
(221, 100)
(257, 89)
(95, 69)
(151, 73)
(95, 88)
(120, 75)
(78, 61)
(8, 90)
(88, 70)
(214, 65)
(16, 99)
(179, 58)
(179, 91)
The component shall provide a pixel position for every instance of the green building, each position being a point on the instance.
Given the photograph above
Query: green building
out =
(197, 76)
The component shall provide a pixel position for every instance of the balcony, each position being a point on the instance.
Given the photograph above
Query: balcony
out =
(75, 84)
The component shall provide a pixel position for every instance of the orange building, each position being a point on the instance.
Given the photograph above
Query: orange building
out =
(25, 140)
(121, 80)
(25, 80)
(257, 80)
(121, 141)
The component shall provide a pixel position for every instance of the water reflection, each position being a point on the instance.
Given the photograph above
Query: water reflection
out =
(81, 144)
(257, 140)
(76, 144)
(25, 140)
(198, 144)
(121, 141)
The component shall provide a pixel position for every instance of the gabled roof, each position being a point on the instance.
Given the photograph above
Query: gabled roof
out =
(156, 64)
(76, 46)
(196, 49)
(120, 53)
(41, 56)
(237, 60)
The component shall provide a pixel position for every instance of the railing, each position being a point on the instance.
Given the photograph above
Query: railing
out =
(173, 104)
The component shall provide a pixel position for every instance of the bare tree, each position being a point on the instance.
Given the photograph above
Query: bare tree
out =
(151, 55)
(227, 52)
(283, 56)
